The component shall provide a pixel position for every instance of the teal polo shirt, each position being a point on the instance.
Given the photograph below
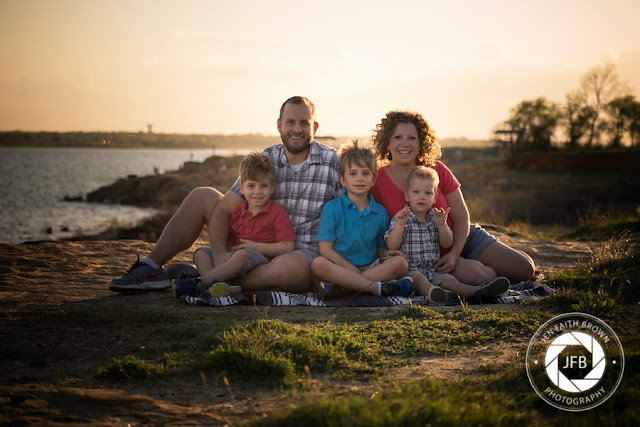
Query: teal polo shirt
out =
(356, 235)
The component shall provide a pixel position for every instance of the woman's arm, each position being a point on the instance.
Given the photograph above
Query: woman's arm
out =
(459, 215)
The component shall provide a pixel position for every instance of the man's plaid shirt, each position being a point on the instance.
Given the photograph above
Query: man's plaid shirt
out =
(304, 191)
(420, 243)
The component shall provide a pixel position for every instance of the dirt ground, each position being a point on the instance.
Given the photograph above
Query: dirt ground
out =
(45, 276)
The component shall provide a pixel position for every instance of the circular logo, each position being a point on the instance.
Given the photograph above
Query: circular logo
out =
(575, 362)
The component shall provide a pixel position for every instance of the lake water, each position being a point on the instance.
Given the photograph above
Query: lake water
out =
(34, 182)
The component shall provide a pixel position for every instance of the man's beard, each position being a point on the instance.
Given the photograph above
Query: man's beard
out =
(295, 149)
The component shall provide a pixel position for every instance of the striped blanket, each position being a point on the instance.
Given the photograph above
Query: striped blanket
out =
(517, 292)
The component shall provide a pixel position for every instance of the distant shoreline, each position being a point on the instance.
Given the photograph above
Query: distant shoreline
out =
(21, 139)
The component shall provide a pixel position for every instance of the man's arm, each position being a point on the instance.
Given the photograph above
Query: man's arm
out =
(219, 226)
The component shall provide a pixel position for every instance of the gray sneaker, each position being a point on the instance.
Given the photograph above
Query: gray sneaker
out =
(439, 296)
(141, 277)
(494, 288)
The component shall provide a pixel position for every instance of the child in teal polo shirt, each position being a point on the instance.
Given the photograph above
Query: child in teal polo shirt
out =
(353, 254)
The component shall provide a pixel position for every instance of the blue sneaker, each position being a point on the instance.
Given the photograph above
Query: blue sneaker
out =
(141, 277)
(191, 286)
(326, 290)
(398, 288)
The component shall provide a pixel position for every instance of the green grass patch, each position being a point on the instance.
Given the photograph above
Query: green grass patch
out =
(600, 286)
(130, 367)
(501, 396)
(602, 226)
(279, 353)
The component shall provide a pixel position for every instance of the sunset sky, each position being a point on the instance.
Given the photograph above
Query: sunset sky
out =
(227, 66)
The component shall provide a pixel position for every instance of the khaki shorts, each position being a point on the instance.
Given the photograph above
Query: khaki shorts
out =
(438, 278)
(255, 259)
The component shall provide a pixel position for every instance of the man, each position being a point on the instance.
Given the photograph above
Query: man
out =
(306, 178)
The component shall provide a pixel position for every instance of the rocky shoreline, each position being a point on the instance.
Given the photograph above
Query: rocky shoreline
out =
(164, 192)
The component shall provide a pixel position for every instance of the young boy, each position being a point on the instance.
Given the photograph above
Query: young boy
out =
(419, 230)
(258, 230)
(350, 235)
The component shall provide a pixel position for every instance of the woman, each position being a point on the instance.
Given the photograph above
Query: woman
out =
(405, 140)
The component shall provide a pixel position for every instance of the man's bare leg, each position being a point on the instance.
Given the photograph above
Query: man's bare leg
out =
(178, 235)
(289, 272)
(185, 225)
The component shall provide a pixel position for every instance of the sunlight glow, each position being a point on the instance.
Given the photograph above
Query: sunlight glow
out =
(226, 67)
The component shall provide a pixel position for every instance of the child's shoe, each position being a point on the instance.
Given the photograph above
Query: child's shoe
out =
(494, 288)
(326, 290)
(192, 287)
(181, 270)
(223, 289)
(400, 288)
(439, 296)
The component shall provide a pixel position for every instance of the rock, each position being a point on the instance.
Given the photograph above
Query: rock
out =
(168, 190)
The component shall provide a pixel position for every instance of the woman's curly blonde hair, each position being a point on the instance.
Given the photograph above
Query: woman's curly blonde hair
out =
(429, 150)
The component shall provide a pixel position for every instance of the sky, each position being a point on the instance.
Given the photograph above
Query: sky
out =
(227, 66)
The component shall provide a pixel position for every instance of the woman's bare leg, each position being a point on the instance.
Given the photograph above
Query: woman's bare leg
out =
(508, 262)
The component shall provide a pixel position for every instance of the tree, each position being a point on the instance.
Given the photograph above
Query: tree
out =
(600, 85)
(625, 114)
(534, 123)
(576, 117)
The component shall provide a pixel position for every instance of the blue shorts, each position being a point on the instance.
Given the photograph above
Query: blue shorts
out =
(477, 242)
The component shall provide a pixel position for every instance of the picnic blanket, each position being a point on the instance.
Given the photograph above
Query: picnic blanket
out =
(517, 292)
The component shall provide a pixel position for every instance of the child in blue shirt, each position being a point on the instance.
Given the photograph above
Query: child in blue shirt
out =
(353, 254)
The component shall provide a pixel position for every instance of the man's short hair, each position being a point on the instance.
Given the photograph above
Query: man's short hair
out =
(424, 173)
(300, 100)
(351, 154)
(257, 167)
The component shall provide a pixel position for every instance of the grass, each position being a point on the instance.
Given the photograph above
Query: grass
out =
(130, 367)
(371, 366)
(280, 353)
(603, 284)
(312, 362)
(499, 398)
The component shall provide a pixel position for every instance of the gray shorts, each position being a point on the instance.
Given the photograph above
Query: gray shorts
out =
(255, 259)
(477, 242)
(308, 254)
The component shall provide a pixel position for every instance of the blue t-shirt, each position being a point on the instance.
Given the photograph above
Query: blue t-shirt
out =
(356, 235)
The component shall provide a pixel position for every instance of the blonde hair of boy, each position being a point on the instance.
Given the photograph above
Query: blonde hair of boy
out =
(351, 154)
(256, 167)
(424, 173)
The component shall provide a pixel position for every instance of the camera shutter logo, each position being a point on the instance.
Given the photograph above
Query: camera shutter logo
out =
(575, 339)
(597, 356)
